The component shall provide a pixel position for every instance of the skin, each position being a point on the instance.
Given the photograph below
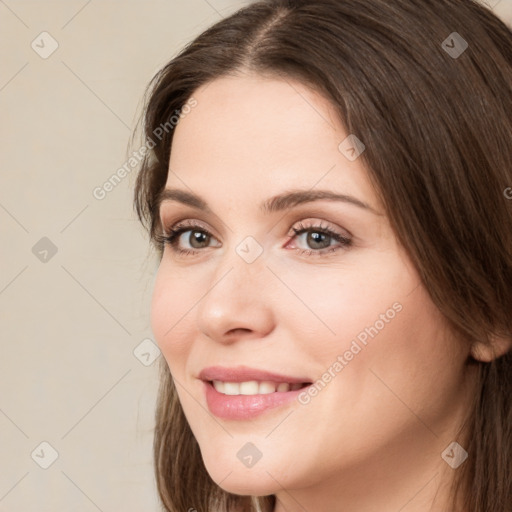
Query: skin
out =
(373, 436)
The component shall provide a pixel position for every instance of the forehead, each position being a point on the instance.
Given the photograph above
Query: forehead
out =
(259, 115)
(258, 134)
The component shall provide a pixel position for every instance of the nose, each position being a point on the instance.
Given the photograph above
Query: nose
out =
(237, 301)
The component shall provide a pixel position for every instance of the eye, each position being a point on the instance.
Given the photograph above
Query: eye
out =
(318, 239)
(188, 238)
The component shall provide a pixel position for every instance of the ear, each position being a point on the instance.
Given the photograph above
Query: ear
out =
(487, 352)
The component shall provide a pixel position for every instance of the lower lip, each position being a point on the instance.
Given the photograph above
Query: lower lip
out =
(244, 407)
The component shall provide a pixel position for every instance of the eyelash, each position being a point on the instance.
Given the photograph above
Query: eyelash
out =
(171, 235)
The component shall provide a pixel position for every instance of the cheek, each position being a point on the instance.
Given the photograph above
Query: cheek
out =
(397, 369)
(382, 323)
(170, 323)
(420, 355)
(358, 300)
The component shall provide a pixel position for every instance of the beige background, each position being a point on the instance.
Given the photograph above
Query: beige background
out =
(74, 325)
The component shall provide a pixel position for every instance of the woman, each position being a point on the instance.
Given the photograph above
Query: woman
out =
(325, 182)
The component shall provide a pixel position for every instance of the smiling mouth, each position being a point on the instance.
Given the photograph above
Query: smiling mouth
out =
(254, 387)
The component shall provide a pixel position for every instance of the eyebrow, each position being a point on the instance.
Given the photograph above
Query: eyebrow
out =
(274, 204)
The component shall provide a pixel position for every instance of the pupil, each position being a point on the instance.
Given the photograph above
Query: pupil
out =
(196, 238)
(315, 237)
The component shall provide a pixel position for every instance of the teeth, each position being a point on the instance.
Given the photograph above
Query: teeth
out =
(249, 388)
(266, 388)
(253, 387)
(231, 388)
(219, 386)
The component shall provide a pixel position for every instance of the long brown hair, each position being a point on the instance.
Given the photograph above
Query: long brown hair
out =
(436, 119)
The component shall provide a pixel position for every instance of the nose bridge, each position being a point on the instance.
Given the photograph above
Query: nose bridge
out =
(236, 297)
(244, 264)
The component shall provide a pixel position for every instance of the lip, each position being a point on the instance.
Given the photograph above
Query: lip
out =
(245, 373)
(244, 407)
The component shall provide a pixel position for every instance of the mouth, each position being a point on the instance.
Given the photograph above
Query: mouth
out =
(242, 393)
(254, 387)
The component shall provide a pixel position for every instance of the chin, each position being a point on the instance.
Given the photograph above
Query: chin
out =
(253, 486)
(244, 481)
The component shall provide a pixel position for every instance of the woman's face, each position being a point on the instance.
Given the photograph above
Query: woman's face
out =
(338, 305)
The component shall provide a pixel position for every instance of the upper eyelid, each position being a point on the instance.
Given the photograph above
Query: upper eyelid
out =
(185, 212)
(304, 225)
(175, 220)
(188, 225)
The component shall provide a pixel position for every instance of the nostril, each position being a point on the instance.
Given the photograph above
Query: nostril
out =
(238, 330)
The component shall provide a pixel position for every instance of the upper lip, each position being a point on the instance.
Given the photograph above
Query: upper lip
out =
(244, 374)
